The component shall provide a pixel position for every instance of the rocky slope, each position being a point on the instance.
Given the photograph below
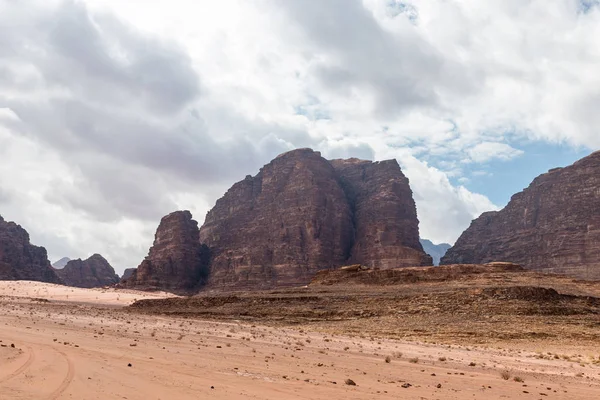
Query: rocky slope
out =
(176, 261)
(19, 259)
(302, 214)
(436, 251)
(551, 226)
(90, 273)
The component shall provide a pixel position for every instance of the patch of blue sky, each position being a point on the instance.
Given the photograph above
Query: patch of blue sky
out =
(500, 179)
(396, 7)
(585, 6)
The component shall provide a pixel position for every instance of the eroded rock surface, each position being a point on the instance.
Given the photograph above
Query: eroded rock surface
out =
(386, 228)
(176, 261)
(90, 273)
(19, 259)
(551, 226)
(302, 214)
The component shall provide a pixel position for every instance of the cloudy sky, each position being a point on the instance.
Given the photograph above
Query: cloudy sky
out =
(114, 113)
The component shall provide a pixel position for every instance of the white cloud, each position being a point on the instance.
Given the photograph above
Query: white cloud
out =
(487, 151)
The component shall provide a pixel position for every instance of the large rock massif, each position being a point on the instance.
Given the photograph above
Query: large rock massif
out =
(90, 273)
(19, 259)
(177, 261)
(552, 226)
(302, 214)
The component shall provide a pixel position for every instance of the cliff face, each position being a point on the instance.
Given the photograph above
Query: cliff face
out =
(19, 259)
(281, 226)
(90, 273)
(176, 261)
(386, 228)
(302, 214)
(552, 226)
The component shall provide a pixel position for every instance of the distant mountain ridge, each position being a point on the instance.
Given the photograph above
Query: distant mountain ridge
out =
(436, 251)
(60, 264)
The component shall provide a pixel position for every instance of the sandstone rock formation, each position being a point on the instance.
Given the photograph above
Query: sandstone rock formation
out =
(302, 214)
(386, 228)
(90, 273)
(176, 261)
(19, 259)
(551, 226)
(60, 264)
(127, 273)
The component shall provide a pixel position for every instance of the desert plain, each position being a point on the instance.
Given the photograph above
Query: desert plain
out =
(425, 333)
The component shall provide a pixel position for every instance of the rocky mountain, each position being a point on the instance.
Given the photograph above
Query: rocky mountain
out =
(302, 213)
(436, 251)
(60, 264)
(90, 273)
(384, 215)
(176, 261)
(551, 226)
(127, 273)
(19, 259)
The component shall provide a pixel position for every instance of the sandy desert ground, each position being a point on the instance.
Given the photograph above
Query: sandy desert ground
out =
(87, 346)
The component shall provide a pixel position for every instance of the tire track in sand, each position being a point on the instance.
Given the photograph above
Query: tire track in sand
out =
(68, 379)
(22, 368)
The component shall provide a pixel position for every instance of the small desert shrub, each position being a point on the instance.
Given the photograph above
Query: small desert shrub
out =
(505, 375)
(518, 379)
(388, 359)
(442, 359)
(414, 360)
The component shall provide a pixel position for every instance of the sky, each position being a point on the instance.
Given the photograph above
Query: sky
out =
(115, 113)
